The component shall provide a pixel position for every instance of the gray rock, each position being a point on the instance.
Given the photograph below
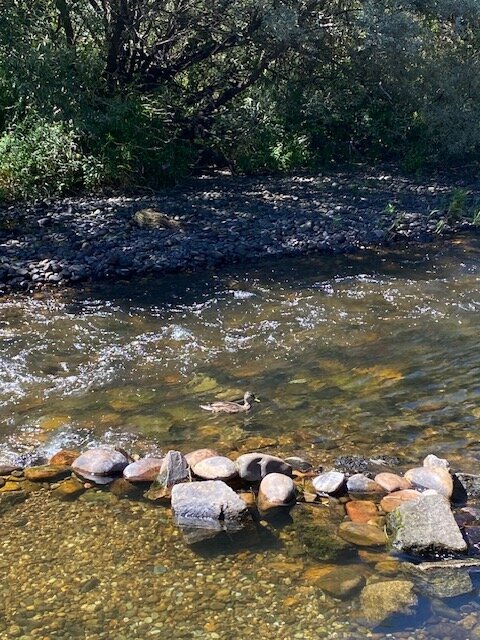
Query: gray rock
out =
(143, 470)
(277, 491)
(252, 467)
(99, 462)
(205, 509)
(174, 469)
(382, 599)
(359, 483)
(437, 478)
(215, 468)
(432, 462)
(425, 526)
(329, 482)
(439, 579)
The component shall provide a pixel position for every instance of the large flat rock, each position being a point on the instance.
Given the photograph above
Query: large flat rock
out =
(425, 526)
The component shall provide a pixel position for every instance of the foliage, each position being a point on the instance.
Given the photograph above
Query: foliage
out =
(123, 93)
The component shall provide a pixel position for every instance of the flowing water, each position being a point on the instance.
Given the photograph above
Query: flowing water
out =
(372, 354)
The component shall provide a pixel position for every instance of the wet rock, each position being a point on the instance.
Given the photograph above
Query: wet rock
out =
(215, 468)
(425, 526)
(276, 492)
(382, 599)
(439, 580)
(99, 462)
(392, 481)
(10, 499)
(362, 535)
(6, 468)
(198, 455)
(361, 510)
(68, 489)
(341, 582)
(359, 483)
(122, 488)
(252, 467)
(204, 509)
(470, 484)
(299, 464)
(436, 478)
(47, 472)
(433, 462)
(394, 500)
(144, 470)
(64, 457)
(316, 534)
(10, 485)
(472, 536)
(174, 470)
(329, 483)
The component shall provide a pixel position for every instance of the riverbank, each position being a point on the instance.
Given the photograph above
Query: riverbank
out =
(216, 220)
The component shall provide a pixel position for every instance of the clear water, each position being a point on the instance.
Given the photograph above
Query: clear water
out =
(375, 353)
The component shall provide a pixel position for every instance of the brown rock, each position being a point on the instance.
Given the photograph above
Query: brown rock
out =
(361, 510)
(10, 486)
(341, 581)
(124, 489)
(392, 481)
(47, 472)
(395, 499)
(363, 535)
(144, 470)
(68, 489)
(198, 455)
(64, 457)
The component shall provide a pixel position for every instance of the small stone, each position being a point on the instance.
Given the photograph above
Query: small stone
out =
(100, 462)
(361, 510)
(64, 457)
(47, 472)
(363, 535)
(277, 491)
(395, 499)
(341, 582)
(215, 468)
(380, 600)
(252, 467)
(68, 489)
(360, 483)
(198, 455)
(174, 470)
(143, 470)
(436, 478)
(392, 481)
(329, 483)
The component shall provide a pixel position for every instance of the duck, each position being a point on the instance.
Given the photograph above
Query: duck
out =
(232, 407)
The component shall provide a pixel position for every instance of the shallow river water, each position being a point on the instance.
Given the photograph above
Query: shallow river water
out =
(372, 354)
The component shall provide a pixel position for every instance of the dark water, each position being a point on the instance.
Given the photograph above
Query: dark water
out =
(376, 353)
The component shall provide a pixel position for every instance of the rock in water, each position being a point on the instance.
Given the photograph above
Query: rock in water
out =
(276, 492)
(198, 455)
(432, 462)
(329, 483)
(252, 467)
(394, 500)
(359, 483)
(99, 462)
(204, 509)
(361, 511)
(174, 470)
(47, 472)
(436, 478)
(143, 470)
(426, 526)
(382, 599)
(440, 579)
(8, 500)
(363, 535)
(215, 468)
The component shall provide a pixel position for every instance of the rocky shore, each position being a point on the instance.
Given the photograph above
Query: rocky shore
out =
(420, 528)
(216, 220)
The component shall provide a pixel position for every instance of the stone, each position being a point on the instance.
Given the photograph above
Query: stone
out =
(425, 526)
(6, 468)
(437, 478)
(439, 580)
(340, 582)
(10, 485)
(215, 468)
(151, 219)
(64, 457)
(174, 470)
(299, 464)
(470, 483)
(380, 600)
(47, 472)
(432, 462)
(394, 500)
(99, 462)
(276, 492)
(10, 499)
(362, 535)
(203, 509)
(143, 470)
(359, 483)
(198, 455)
(122, 488)
(392, 481)
(329, 483)
(68, 489)
(252, 467)
(361, 510)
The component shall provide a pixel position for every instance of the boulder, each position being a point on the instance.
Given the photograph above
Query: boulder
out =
(394, 500)
(437, 478)
(198, 455)
(174, 470)
(329, 483)
(380, 600)
(143, 470)
(277, 491)
(215, 468)
(252, 467)
(205, 509)
(425, 526)
(362, 535)
(392, 481)
(99, 462)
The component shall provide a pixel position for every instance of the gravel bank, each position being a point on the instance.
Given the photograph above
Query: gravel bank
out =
(214, 220)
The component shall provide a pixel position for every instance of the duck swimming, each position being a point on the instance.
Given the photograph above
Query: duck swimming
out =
(232, 407)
